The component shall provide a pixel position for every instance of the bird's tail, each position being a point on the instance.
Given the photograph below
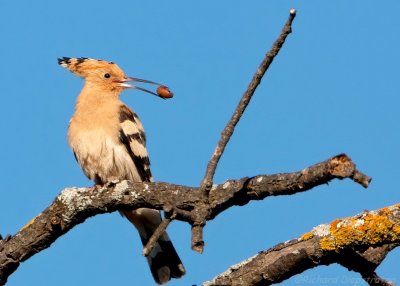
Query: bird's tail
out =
(163, 260)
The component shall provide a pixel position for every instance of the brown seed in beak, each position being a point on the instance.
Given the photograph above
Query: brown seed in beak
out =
(164, 92)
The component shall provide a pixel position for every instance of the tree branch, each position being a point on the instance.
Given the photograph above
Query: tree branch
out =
(206, 184)
(245, 100)
(74, 205)
(359, 243)
(155, 236)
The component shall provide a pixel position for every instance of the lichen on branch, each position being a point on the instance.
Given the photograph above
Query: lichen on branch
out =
(359, 243)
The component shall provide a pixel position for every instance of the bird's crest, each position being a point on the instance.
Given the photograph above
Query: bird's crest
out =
(83, 66)
(108, 75)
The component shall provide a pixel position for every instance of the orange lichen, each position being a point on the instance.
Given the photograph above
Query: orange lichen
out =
(307, 236)
(327, 244)
(396, 229)
(368, 228)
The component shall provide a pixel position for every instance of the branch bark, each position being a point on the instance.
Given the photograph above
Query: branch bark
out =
(359, 243)
(74, 205)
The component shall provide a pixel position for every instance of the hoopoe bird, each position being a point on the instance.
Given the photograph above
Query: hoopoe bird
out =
(108, 141)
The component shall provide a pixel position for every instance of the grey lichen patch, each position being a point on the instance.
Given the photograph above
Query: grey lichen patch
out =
(226, 185)
(69, 195)
(321, 230)
(231, 269)
(395, 210)
(75, 200)
(134, 194)
(146, 188)
(119, 190)
(359, 222)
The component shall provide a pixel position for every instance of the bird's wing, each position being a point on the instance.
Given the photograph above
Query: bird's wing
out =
(163, 260)
(132, 136)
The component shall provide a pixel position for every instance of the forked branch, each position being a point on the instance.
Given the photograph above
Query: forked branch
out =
(74, 205)
(206, 184)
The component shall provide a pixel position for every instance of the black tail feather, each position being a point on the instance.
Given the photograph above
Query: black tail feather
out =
(169, 257)
(164, 261)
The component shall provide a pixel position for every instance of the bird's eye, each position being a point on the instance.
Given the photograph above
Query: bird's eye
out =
(107, 75)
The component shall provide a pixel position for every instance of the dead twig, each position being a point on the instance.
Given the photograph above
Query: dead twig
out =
(206, 184)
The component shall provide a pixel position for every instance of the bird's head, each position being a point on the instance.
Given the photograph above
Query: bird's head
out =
(107, 75)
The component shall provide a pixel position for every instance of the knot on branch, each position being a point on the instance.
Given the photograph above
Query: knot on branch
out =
(342, 167)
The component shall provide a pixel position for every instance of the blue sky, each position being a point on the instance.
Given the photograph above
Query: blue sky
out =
(332, 89)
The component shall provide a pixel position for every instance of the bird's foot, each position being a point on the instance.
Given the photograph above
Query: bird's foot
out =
(91, 189)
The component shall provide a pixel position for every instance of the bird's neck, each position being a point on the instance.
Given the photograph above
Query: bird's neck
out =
(94, 93)
(97, 98)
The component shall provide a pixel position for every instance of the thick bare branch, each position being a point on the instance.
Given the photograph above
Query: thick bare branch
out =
(239, 192)
(75, 205)
(359, 243)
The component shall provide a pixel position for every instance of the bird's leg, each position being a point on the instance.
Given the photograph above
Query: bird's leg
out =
(91, 189)
(112, 180)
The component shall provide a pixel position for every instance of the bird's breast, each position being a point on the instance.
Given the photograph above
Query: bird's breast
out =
(98, 150)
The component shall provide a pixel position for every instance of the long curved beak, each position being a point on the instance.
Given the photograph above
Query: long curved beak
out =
(123, 83)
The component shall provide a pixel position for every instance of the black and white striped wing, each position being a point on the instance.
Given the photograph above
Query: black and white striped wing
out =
(164, 261)
(132, 136)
